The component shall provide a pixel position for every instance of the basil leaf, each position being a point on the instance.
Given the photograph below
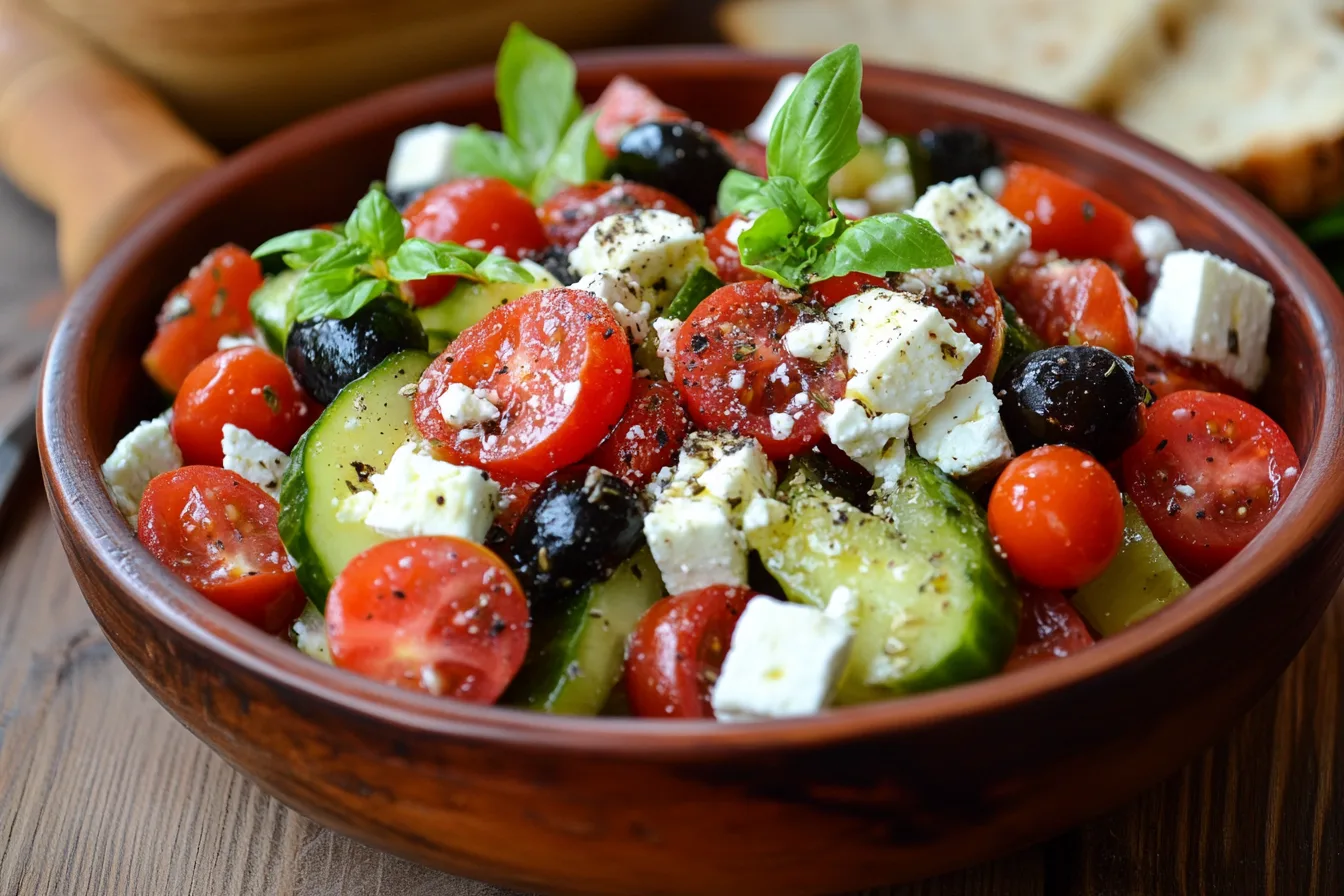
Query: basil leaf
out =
(342, 304)
(487, 154)
(417, 259)
(737, 188)
(534, 84)
(577, 160)
(315, 288)
(342, 256)
(302, 245)
(884, 244)
(792, 198)
(376, 223)
(1323, 229)
(770, 246)
(816, 131)
(501, 269)
(695, 290)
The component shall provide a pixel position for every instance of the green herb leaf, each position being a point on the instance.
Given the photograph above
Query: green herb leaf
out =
(884, 244)
(488, 154)
(695, 290)
(340, 305)
(534, 84)
(1325, 228)
(773, 245)
(500, 269)
(417, 259)
(576, 160)
(376, 224)
(816, 131)
(737, 190)
(301, 247)
(792, 198)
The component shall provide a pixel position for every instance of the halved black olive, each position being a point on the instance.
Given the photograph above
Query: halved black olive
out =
(680, 157)
(327, 354)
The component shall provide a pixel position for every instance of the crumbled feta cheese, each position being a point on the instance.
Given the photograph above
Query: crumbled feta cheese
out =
(964, 434)
(759, 130)
(785, 660)
(729, 467)
(143, 453)
(624, 296)
(844, 604)
(903, 355)
(976, 227)
(813, 340)
(465, 407)
(422, 158)
(569, 392)
(1210, 310)
(992, 181)
(737, 379)
(667, 329)
(875, 442)
(854, 209)
(763, 513)
(1156, 239)
(309, 633)
(695, 544)
(419, 495)
(739, 226)
(657, 248)
(781, 426)
(227, 342)
(257, 461)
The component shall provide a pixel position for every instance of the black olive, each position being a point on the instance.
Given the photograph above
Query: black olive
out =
(556, 262)
(679, 157)
(404, 199)
(958, 152)
(1078, 395)
(327, 354)
(582, 523)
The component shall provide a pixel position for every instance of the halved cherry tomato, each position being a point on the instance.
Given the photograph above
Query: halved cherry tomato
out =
(437, 614)
(832, 291)
(1057, 516)
(558, 363)
(1072, 220)
(1050, 629)
(1069, 302)
(648, 435)
(722, 250)
(514, 496)
(973, 309)
(210, 303)
(734, 373)
(747, 155)
(248, 387)
(217, 531)
(567, 215)
(624, 104)
(480, 212)
(1165, 374)
(1209, 473)
(676, 652)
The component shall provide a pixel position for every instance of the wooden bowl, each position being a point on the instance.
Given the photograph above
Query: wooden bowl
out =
(853, 798)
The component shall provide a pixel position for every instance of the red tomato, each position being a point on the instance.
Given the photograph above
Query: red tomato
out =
(624, 104)
(1072, 220)
(1069, 302)
(676, 652)
(1209, 473)
(747, 155)
(567, 215)
(723, 252)
(648, 435)
(831, 292)
(973, 310)
(1050, 629)
(1165, 374)
(1057, 516)
(514, 496)
(560, 365)
(248, 387)
(733, 371)
(217, 531)
(479, 212)
(210, 303)
(436, 614)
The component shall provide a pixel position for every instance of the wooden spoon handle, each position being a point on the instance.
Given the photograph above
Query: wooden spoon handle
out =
(84, 139)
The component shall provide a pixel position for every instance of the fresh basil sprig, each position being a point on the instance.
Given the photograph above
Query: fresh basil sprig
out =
(797, 236)
(547, 143)
(346, 268)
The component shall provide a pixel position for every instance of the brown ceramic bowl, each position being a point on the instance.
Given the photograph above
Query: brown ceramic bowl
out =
(853, 798)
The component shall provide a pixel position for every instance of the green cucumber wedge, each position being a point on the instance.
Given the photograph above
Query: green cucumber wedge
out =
(354, 437)
(1139, 581)
(269, 305)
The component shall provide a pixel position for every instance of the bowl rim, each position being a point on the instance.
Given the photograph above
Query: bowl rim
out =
(98, 530)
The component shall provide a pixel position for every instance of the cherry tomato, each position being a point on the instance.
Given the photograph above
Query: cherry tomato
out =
(210, 303)
(722, 250)
(624, 104)
(248, 387)
(830, 292)
(734, 373)
(1057, 516)
(217, 531)
(560, 366)
(1050, 629)
(567, 215)
(479, 212)
(1209, 473)
(677, 649)
(1165, 374)
(648, 435)
(1072, 220)
(514, 496)
(747, 155)
(437, 614)
(1068, 303)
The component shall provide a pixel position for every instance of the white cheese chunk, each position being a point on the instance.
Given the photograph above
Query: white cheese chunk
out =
(785, 660)
(964, 434)
(1156, 239)
(813, 340)
(992, 181)
(728, 467)
(143, 453)
(227, 342)
(1210, 310)
(845, 604)
(759, 130)
(624, 296)
(875, 442)
(422, 158)
(695, 544)
(657, 248)
(976, 227)
(309, 634)
(903, 355)
(465, 407)
(763, 513)
(667, 329)
(420, 495)
(853, 209)
(257, 461)
(781, 425)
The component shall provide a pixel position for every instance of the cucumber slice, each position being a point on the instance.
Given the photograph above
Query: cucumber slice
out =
(1138, 582)
(270, 308)
(469, 302)
(936, 605)
(576, 659)
(1019, 340)
(354, 437)
(695, 290)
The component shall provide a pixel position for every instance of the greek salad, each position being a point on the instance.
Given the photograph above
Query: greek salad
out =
(611, 411)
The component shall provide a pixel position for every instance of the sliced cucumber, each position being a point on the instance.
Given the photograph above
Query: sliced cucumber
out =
(695, 290)
(1019, 340)
(1139, 581)
(270, 308)
(469, 302)
(577, 658)
(936, 605)
(355, 437)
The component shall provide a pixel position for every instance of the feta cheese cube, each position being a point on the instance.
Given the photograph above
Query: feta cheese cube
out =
(1210, 310)
(257, 461)
(731, 468)
(964, 434)
(875, 442)
(465, 407)
(903, 355)
(759, 130)
(143, 453)
(624, 296)
(785, 660)
(657, 248)
(695, 544)
(781, 426)
(976, 227)
(1156, 239)
(421, 158)
(667, 329)
(813, 340)
(420, 495)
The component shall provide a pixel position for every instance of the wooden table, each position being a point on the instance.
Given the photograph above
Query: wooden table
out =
(102, 792)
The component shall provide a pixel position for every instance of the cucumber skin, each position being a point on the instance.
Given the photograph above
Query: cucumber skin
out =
(1139, 581)
(269, 307)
